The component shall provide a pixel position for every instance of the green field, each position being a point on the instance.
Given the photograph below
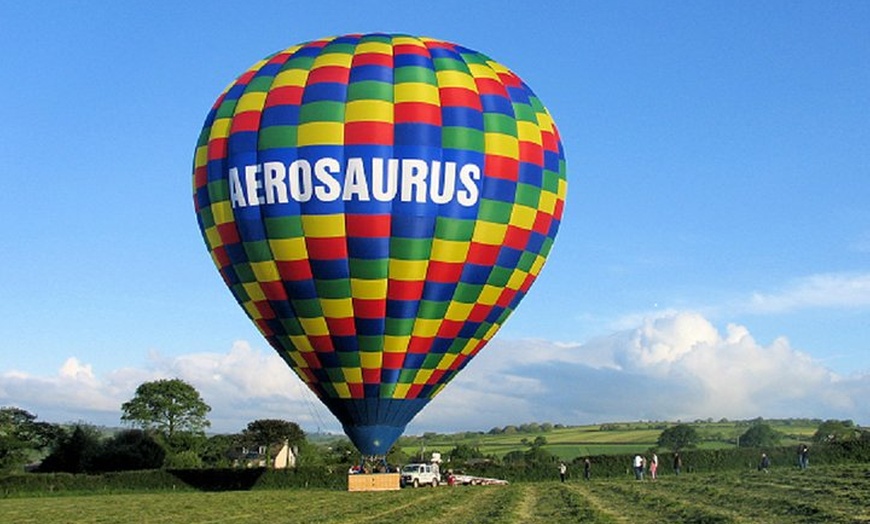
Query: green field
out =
(591, 440)
(820, 494)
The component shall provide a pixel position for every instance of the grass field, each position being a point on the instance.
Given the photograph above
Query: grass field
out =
(590, 440)
(820, 494)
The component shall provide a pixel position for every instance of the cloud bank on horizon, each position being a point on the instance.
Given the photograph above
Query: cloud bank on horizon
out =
(673, 366)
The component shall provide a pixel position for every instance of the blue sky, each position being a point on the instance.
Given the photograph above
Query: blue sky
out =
(715, 243)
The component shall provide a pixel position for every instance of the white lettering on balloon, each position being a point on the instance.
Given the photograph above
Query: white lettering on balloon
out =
(328, 180)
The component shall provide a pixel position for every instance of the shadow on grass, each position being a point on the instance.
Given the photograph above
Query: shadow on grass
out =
(219, 479)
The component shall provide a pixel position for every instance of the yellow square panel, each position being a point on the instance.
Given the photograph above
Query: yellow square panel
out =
(371, 359)
(298, 360)
(545, 121)
(501, 144)
(252, 310)
(201, 156)
(253, 290)
(220, 128)
(498, 68)
(337, 307)
(381, 48)
(396, 344)
(516, 280)
(426, 327)
(422, 376)
(301, 343)
(537, 265)
(416, 92)
(253, 101)
(342, 389)
(409, 40)
(489, 295)
(369, 111)
(287, 249)
(368, 289)
(408, 269)
(314, 326)
(547, 203)
(333, 59)
(528, 132)
(213, 237)
(352, 375)
(482, 71)
(489, 233)
(265, 271)
(291, 78)
(320, 134)
(222, 212)
(523, 217)
(469, 346)
(446, 361)
(449, 250)
(323, 226)
(449, 78)
(458, 311)
(401, 390)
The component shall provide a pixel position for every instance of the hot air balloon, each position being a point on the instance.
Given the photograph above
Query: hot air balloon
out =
(378, 204)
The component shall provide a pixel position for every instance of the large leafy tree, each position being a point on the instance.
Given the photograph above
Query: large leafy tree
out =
(21, 436)
(170, 406)
(679, 437)
(760, 435)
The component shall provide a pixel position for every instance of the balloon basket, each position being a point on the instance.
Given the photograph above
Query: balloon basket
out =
(373, 482)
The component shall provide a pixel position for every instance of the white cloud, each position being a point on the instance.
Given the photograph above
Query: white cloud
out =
(830, 290)
(676, 366)
(673, 366)
(241, 385)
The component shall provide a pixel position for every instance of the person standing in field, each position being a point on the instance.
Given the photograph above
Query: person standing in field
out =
(678, 463)
(804, 456)
(563, 471)
(764, 465)
(587, 468)
(653, 466)
(637, 463)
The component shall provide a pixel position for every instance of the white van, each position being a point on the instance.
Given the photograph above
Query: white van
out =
(417, 474)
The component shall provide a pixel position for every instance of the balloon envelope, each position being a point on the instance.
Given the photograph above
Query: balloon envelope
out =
(378, 205)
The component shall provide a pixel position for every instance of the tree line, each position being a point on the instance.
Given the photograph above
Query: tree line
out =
(168, 419)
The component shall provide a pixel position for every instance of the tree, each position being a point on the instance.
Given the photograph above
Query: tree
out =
(215, 452)
(679, 437)
(168, 406)
(760, 435)
(267, 432)
(836, 431)
(271, 432)
(75, 452)
(464, 453)
(129, 450)
(22, 437)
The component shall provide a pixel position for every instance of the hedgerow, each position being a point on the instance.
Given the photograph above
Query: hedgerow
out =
(605, 466)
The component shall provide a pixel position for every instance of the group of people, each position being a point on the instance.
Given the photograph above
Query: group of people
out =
(640, 464)
(587, 470)
(803, 459)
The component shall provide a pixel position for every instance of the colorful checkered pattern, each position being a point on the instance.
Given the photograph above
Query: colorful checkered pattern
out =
(368, 299)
